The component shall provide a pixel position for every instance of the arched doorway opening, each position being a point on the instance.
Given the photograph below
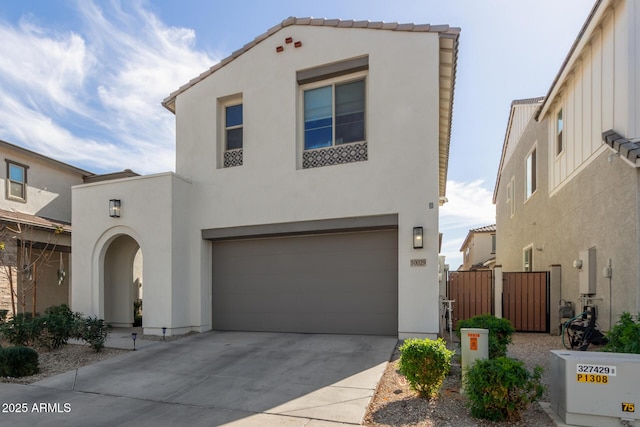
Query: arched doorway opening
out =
(123, 282)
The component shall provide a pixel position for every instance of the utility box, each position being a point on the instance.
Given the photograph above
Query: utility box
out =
(595, 389)
(587, 275)
(474, 345)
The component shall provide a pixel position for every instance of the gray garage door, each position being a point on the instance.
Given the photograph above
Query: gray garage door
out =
(335, 283)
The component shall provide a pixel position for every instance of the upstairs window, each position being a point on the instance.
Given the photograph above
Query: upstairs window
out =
(230, 139)
(530, 173)
(334, 115)
(233, 127)
(16, 181)
(559, 128)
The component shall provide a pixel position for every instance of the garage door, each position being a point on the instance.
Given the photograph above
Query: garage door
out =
(343, 283)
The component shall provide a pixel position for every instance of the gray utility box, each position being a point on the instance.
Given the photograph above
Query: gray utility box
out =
(595, 389)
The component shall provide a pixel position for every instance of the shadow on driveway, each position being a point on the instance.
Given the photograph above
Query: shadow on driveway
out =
(214, 378)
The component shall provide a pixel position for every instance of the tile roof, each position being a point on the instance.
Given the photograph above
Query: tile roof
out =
(628, 150)
(33, 220)
(485, 229)
(169, 102)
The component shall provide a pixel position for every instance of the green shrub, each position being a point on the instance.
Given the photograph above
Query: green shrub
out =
(500, 332)
(58, 325)
(3, 316)
(499, 389)
(22, 329)
(425, 363)
(624, 337)
(94, 332)
(18, 362)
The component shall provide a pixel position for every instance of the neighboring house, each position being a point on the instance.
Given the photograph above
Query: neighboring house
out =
(310, 165)
(564, 196)
(35, 218)
(479, 249)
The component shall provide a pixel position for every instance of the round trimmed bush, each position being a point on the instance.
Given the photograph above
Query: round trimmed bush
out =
(500, 332)
(425, 363)
(500, 389)
(18, 362)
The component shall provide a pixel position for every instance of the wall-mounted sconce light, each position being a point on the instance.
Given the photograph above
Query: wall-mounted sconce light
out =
(577, 264)
(418, 242)
(114, 208)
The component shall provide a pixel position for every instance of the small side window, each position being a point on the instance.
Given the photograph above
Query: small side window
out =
(16, 181)
(233, 127)
(230, 142)
(559, 129)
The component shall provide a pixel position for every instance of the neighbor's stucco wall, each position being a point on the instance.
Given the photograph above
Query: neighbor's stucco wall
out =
(400, 176)
(480, 249)
(597, 208)
(48, 187)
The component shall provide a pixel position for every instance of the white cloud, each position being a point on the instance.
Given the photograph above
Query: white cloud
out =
(470, 206)
(91, 96)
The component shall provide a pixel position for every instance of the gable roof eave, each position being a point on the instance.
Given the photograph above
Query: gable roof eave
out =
(443, 30)
(507, 133)
(598, 11)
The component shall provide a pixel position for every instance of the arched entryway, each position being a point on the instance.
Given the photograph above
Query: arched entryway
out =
(122, 281)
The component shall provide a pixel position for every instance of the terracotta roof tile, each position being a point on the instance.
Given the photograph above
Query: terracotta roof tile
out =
(169, 102)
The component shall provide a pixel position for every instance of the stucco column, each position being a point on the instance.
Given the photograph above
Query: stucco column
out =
(497, 291)
(555, 293)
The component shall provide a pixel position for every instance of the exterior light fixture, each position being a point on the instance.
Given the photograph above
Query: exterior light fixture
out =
(134, 335)
(164, 332)
(418, 242)
(114, 208)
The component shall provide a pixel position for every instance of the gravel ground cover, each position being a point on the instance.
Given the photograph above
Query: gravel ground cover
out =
(395, 404)
(66, 358)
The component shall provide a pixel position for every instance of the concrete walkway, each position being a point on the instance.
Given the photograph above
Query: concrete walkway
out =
(212, 379)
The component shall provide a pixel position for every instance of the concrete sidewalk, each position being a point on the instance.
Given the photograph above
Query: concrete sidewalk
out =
(211, 379)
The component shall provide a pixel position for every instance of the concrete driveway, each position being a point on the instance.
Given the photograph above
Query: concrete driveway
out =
(212, 379)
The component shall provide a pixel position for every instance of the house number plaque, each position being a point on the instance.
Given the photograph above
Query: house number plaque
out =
(418, 262)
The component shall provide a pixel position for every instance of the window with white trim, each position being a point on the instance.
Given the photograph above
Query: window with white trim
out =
(559, 129)
(527, 259)
(530, 174)
(16, 181)
(511, 195)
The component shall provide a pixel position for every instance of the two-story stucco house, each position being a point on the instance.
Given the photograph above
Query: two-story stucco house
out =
(479, 249)
(309, 169)
(568, 185)
(35, 237)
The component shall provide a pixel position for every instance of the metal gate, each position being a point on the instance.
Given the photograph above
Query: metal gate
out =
(525, 300)
(472, 292)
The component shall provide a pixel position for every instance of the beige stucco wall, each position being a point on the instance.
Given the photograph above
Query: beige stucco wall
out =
(48, 186)
(598, 208)
(400, 175)
(48, 195)
(480, 249)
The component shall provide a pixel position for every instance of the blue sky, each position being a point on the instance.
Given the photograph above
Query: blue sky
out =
(82, 81)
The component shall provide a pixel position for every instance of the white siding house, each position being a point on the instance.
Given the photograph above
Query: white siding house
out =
(307, 165)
